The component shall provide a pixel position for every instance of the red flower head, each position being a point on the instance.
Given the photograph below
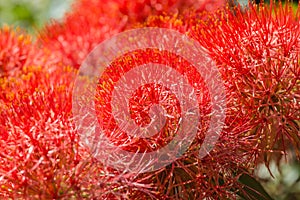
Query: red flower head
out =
(38, 143)
(41, 155)
(91, 22)
(188, 177)
(17, 51)
(258, 53)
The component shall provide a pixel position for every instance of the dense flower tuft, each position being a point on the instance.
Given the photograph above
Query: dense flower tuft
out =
(15, 50)
(258, 53)
(188, 177)
(40, 143)
(91, 22)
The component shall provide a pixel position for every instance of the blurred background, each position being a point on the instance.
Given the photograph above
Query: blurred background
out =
(31, 14)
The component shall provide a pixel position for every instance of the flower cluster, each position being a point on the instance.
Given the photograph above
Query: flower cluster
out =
(16, 49)
(258, 53)
(256, 50)
(91, 22)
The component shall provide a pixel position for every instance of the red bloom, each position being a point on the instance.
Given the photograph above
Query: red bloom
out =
(17, 51)
(91, 22)
(41, 155)
(189, 177)
(138, 11)
(40, 144)
(258, 52)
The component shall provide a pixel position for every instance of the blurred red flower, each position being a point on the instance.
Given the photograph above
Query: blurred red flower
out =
(17, 50)
(91, 22)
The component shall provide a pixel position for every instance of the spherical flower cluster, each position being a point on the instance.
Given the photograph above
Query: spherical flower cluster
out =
(41, 154)
(38, 137)
(258, 52)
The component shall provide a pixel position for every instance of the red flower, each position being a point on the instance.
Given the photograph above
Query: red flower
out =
(41, 155)
(17, 51)
(189, 177)
(39, 137)
(258, 52)
(138, 11)
(91, 22)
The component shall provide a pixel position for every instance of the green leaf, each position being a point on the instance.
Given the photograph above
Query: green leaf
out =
(252, 190)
